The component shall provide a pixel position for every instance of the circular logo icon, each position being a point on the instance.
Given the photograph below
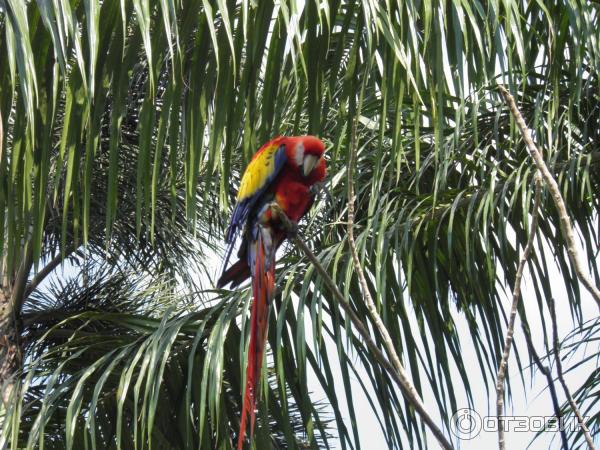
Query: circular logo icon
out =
(465, 424)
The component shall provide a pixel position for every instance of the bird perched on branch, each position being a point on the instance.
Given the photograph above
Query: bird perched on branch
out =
(283, 172)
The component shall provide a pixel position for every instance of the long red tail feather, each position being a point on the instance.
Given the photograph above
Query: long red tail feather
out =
(263, 283)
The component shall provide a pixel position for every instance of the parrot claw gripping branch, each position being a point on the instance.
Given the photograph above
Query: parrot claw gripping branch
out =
(277, 189)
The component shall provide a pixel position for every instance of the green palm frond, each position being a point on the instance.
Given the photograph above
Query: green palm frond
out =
(98, 347)
(206, 80)
(127, 125)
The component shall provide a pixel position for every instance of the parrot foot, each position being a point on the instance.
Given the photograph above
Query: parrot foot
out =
(321, 187)
(317, 188)
(290, 227)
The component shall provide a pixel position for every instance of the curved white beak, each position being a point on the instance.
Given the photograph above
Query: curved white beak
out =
(309, 163)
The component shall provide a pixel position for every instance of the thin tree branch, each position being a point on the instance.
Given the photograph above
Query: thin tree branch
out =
(561, 378)
(565, 221)
(545, 370)
(500, 378)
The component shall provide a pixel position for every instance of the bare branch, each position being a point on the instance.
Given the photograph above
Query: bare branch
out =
(561, 378)
(500, 378)
(565, 222)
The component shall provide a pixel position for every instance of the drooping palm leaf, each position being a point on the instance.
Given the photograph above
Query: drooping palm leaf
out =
(101, 347)
(188, 90)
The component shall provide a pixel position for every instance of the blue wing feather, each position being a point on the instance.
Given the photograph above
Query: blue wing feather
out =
(243, 207)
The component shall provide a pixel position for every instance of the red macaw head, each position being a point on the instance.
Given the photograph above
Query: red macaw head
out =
(306, 154)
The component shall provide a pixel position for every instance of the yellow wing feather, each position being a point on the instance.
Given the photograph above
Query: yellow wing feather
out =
(258, 171)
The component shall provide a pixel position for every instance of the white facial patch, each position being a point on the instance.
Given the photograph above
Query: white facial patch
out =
(299, 154)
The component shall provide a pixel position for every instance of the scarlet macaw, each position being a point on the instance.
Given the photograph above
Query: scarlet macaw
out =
(282, 171)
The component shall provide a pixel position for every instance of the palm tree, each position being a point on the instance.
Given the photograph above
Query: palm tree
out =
(124, 128)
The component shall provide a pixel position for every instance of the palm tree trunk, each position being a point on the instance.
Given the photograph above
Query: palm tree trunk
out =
(12, 296)
(10, 345)
(10, 350)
